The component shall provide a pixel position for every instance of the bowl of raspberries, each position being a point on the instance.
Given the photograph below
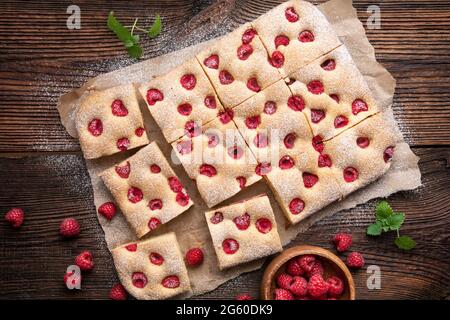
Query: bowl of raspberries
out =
(307, 273)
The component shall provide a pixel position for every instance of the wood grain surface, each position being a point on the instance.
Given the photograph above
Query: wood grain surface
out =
(42, 170)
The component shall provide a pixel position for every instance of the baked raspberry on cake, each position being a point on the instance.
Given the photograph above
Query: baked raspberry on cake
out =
(152, 269)
(243, 231)
(236, 66)
(336, 95)
(146, 189)
(110, 121)
(295, 33)
(218, 159)
(181, 99)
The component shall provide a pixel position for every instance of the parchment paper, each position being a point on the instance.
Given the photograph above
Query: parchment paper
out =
(190, 227)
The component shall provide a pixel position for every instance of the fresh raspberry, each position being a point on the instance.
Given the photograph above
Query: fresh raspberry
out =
(335, 97)
(283, 294)
(263, 168)
(226, 116)
(15, 217)
(192, 129)
(388, 154)
(235, 152)
(118, 108)
(340, 121)
(188, 81)
(309, 179)
(182, 198)
(175, 184)
(216, 218)
(225, 77)
(350, 174)
(139, 280)
(317, 143)
(363, 142)
(184, 109)
(243, 296)
(69, 228)
(316, 268)
(317, 287)
(248, 36)
(118, 292)
(252, 84)
(153, 223)
(242, 222)
(284, 281)
(286, 162)
(306, 36)
(335, 286)
(355, 260)
(281, 40)
(293, 268)
(184, 147)
(277, 59)
(132, 247)
(210, 102)
(296, 206)
(342, 241)
(123, 144)
(153, 96)
(73, 280)
(242, 182)
(108, 210)
(194, 257)
(359, 106)
(135, 194)
(289, 140)
(154, 168)
(95, 127)
(296, 103)
(299, 286)
(291, 15)
(230, 246)
(307, 262)
(263, 225)
(212, 61)
(317, 115)
(253, 122)
(156, 258)
(171, 282)
(260, 140)
(213, 140)
(244, 51)
(85, 261)
(207, 170)
(270, 107)
(139, 132)
(155, 204)
(328, 65)
(315, 87)
(324, 160)
(124, 170)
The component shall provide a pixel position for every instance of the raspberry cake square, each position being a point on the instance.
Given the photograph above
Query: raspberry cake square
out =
(181, 99)
(152, 269)
(146, 189)
(217, 158)
(295, 33)
(109, 121)
(335, 94)
(361, 154)
(237, 66)
(243, 231)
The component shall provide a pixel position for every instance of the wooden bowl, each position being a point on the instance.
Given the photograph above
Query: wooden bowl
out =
(332, 265)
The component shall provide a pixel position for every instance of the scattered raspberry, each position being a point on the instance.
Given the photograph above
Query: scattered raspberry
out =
(263, 169)
(317, 287)
(324, 160)
(194, 257)
(118, 108)
(350, 174)
(135, 194)
(363, 142)
(261, 140)
(283, 294)
(316, 268)
(15, 217)
(123, 144)
(132, 247)
(277, 59)
(207, 170)
(153, 223)
(230, 246)
(291, 15)
(281, 40)
(307, 262)
(226, 116)
(317, 143)
(286, 162)
(317, 115)
(95, 127)
(315, 87)
(175, 184)
(340, 121)
(171, 282)
(192, 129)
(210, 102)
(242, 222)
(328, 65)
(225, 77)
(253, 122)
(213, 140)
(335, 286)
(284, 281)
(216, 218)
(270, 107)
(248, 36)
(188, 81)
(118, 292)
(85, 261)
(156, 258)
(306, 36)
(296, 206)
(139, 132)
(299, 286)
(244, 51)
(293, 268)
(252, 84)
(123, 171)
(154, 168)
(296, 103)
(212, 61)
(309, 179)
(139, 280)
(243, 296)
(359, 106)
(289, 140)
(263, 225)
(69, 228)
(235, 152)
(73, 280)
(342, 241)
(242, 182)
(153, 96)
(182, 198)
(355, 260)
(184, 109)
(184, 147)
(108, 210)
(155, 204)
(388, 154)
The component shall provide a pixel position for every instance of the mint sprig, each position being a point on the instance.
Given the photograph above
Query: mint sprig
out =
(156, 27)
(388, 220)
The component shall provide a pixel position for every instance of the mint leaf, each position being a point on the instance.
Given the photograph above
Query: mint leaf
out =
(123, 34)
(383, 210)
(405, 243)
(395, 221)
(135, 51)
(374, 229)
(156, 27)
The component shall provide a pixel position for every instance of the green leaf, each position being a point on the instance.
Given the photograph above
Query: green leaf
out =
(395, 221)
(405, 243)
(374, 229)
(383, 210)
(130, 42)
(156, 27)
(135, 51)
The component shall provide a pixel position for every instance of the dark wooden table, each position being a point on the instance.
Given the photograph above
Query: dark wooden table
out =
(42, 169)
